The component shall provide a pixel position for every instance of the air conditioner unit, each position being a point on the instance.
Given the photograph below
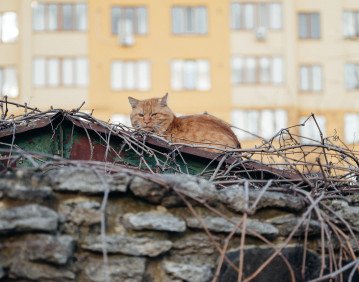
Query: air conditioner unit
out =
(261, 33)
(127, 40)
(125, 33)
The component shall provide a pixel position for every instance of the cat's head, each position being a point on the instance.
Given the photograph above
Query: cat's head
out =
(151, 115)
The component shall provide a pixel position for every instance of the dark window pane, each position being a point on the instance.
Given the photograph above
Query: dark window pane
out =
(81, 17)
(178, 20)
(141, 20)
(303, 26)
(52, 17)
(115, 17)
(315, 26)
(190, 20)
(38, 17)
(67, 17)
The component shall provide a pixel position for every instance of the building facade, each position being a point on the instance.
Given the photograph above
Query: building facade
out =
(316, 46)
(148, 48)
(48, 53)
(260, 65)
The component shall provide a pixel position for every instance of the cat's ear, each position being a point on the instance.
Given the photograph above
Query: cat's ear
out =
(133, 102)
(163, 101)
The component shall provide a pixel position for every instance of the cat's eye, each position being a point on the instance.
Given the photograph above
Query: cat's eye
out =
(154, 114)
(141, 115)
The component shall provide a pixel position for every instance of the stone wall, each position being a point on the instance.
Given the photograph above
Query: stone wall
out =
(50, 227)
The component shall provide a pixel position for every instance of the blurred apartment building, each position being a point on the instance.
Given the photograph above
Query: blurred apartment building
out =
(260, 65)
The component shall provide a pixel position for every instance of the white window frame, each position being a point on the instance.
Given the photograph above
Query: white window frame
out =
(9, 83)
(130, 75)
(52, 65)
(264, 123)
(189, 20)
(199, 79)
(308, 78)
(252, 70)
(351, 24)
(250, 16)
(134, 18)
(351, 128)
(351, 76)
(39, 72)
(41, 17)
(9, 32)
(309, 132)
(69, 73)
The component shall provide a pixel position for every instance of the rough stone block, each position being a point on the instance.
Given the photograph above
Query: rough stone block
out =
(19, 190)
(148, 190)
(85, 180)
(28, 218)
(233, 198)
(353, 199)
(122, 244)
(20, 270)
(192, 186)
(80, 212)
(51, 249)
(188, 272)
(120, 269)
(350, 214)
(154, 221)
(195, 244)
(219, 224)
(286, 224)
(187, 184)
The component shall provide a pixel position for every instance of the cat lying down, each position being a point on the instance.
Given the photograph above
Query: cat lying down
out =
(208, 132)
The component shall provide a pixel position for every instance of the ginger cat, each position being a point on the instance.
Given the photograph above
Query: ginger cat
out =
(155, 116)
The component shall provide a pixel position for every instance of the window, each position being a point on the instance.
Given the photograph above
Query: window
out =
(129, 20)
(310, 129)
(189, 20)
(53, 68)
(52, 20)
(351, 24)
(190, 75)
(311, 78)
(59, 17)
(54, 72)
(8, 82)
(67, 17)
(9, 30)
(259, 15)
(121, 118)
(352, 76)
(130, 75)
(351, 128)
(309, 26)
(257, 70)
(264, 123)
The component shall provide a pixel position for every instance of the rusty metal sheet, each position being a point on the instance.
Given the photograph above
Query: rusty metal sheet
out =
(81, 148)
(43, 122)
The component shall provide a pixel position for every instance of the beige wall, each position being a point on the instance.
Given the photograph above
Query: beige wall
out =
(159, 46)
(10, 52)
(31, 44)
(332, 51)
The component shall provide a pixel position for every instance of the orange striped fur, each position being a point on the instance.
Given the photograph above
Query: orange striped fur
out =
(155, 116)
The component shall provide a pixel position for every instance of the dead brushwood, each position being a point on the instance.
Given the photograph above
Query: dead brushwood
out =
(320, 170)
